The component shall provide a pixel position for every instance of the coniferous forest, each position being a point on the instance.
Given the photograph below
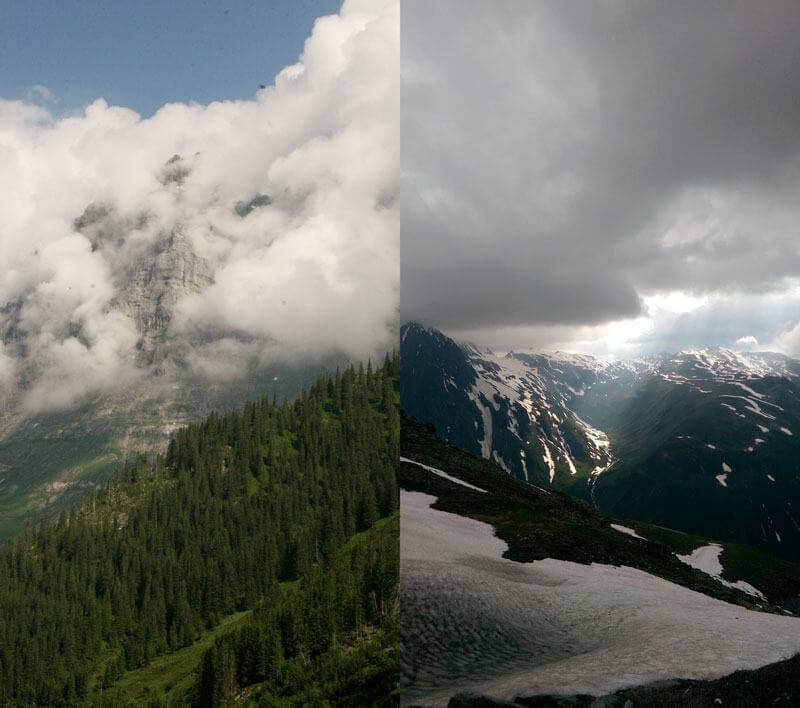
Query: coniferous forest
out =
(284, 513)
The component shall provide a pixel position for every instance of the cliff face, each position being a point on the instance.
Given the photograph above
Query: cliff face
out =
(48, 459)
(156, 283)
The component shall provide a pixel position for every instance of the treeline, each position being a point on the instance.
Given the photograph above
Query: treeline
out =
(238, 504)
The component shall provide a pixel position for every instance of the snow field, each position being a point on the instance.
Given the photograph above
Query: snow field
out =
(474, 621)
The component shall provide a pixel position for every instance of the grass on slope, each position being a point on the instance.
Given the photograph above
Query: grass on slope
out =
(539, 523)
(167, 679)
(72, 464)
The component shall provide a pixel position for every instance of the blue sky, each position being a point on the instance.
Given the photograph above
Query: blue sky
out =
(146, 53)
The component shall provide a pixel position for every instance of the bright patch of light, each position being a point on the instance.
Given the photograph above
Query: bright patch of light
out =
(675, 301)
(619, 335)
(615, 340)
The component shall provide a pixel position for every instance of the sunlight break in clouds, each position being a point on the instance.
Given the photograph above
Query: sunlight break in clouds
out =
(277, 216)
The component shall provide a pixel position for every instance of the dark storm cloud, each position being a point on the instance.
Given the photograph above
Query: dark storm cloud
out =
(563, 159)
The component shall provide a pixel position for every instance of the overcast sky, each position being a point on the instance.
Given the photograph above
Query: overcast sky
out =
(611, 177)
(313, 273)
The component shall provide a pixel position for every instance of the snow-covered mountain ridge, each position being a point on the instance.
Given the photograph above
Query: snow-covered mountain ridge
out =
(706, 440)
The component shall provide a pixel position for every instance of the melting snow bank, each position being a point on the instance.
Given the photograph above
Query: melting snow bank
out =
(474, 621)
(706, 558)
(444, 474)
(625, 529)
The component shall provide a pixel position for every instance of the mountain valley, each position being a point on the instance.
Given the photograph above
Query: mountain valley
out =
(702, 441)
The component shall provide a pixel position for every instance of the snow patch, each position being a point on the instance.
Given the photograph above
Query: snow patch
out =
(479, 622)
(443, 474)
(625, 529)
(570, 464)
(754, 407)
(706, 558)
(747, 389)
(486, 415)
(723, 478)
(500, 461)
(548, 459)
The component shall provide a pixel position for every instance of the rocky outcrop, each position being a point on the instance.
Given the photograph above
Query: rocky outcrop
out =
(153, 287)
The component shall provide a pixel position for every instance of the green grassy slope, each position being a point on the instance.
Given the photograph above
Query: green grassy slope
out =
(168, 679)
(48, 463)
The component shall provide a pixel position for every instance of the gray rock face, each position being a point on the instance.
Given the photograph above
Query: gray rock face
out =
(153, 288)
(9, 322)
(243, 209)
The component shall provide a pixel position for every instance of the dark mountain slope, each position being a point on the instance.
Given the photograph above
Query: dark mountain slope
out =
(711, 450)
(510, 409)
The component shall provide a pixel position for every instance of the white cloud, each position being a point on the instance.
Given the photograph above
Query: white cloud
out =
(314, 271)
(747, 343)
(38, 92)
(787, 342)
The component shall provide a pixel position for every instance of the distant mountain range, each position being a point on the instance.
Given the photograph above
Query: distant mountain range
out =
(706, 441)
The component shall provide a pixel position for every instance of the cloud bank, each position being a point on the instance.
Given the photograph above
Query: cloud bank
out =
(210, 237)
(565, 161)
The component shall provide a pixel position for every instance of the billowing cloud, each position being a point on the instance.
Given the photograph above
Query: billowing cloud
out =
(210, 238)
(563, 162)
